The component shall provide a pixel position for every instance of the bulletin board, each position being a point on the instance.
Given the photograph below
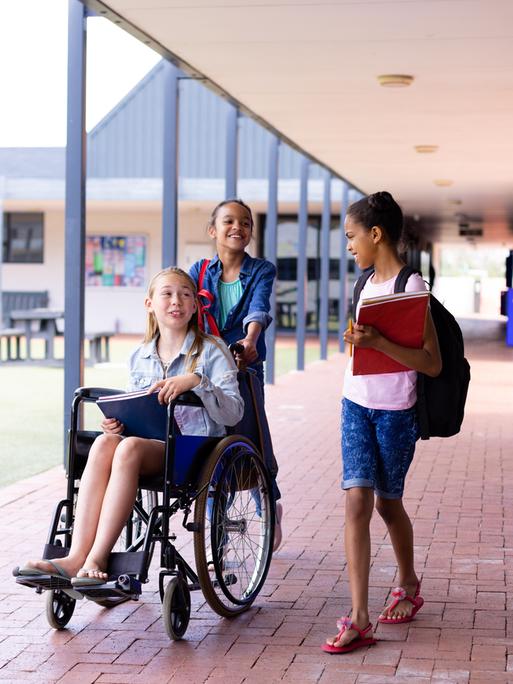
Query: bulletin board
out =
(115, 261)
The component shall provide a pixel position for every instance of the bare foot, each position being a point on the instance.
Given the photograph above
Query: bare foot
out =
(404, 608)
(92, 570)
(68, 564)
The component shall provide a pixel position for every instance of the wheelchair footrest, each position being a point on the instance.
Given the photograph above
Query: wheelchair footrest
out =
(43, 581)
(125, 586)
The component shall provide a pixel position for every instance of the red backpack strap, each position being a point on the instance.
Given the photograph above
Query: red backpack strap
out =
(204, 307)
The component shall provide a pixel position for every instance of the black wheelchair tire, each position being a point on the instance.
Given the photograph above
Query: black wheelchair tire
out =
(217, 592)
(59, 608)
(176, 608)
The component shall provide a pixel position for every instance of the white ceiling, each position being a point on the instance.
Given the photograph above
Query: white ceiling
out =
(309, 69)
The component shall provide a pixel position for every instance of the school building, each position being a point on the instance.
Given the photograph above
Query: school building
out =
(291, 145)
(124, 205)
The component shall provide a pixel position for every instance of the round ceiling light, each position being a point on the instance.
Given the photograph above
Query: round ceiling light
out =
(395, 80)
(443, 182)
(426, 149)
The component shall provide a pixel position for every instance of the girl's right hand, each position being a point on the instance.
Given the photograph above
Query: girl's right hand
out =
(112, 426)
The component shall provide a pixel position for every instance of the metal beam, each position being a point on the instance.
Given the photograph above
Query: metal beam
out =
(232, 151)
(271, 240)
(102, 9)
(75, 208)
(325, 266)
(170, 167)
(302, 265)
(342, 290)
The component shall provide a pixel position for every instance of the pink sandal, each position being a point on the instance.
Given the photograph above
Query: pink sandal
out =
(399, 594)
(361, 640)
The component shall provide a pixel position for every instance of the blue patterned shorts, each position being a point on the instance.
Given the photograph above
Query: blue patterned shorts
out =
(377, 448)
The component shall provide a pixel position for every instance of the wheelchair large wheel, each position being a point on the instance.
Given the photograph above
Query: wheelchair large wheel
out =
(176, 608)
(59, 608)
(234, 516)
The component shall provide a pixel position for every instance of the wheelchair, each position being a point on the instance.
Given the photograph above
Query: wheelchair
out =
(222, 488)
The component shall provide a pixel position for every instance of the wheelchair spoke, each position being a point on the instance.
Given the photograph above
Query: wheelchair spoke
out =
(237, 529)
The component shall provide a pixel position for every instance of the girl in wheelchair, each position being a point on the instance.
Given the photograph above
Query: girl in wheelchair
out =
(175, 357)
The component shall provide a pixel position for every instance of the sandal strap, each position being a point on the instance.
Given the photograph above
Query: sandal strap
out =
(399, 594)
(345, 624)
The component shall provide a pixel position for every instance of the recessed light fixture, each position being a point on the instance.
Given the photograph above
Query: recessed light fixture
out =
(426, 149)
(443, 182)
(395, 80)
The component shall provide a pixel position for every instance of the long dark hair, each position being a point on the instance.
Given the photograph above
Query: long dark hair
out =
(379, 209)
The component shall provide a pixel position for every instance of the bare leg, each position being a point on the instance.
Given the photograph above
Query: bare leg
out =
(93, 485)
(359, 507)
(134, 456)
(401, 534)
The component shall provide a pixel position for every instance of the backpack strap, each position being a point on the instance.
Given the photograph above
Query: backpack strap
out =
(402, 278)
(204, 307)
(399, 286)
(358, 287)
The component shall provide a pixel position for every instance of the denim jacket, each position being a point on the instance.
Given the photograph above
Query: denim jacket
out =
(257, 277)
(218, 389)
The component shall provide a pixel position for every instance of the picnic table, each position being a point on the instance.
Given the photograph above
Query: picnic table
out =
(46, 320)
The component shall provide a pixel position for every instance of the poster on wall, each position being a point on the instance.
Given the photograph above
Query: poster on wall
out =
(115, 261)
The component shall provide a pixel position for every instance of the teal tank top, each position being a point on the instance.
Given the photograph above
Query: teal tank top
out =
(229, 295)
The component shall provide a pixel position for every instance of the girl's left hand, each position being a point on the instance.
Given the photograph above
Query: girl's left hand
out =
(170, 388)
(364, 336)
(250, 353)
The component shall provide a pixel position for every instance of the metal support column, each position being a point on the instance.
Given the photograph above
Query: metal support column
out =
(342, 290)
(75, 208)
(271, 239)
(325, 267)
(232, 121)
(301, 265)
(170, 167)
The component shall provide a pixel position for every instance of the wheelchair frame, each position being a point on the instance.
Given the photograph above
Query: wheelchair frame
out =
(222, 470)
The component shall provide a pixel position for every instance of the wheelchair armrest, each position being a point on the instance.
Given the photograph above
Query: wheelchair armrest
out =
(93, 393)
(187, 399)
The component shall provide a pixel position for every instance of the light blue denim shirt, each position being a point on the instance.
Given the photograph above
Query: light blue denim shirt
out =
(218, 389)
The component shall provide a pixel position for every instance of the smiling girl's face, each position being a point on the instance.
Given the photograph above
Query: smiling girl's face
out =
(361, 242)
(172, 302)
(232, 228)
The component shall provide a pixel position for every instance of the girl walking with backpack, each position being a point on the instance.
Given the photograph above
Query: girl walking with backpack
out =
(379, 428)
(236, 290)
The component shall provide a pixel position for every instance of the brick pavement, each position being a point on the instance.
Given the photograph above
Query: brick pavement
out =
(458, 494)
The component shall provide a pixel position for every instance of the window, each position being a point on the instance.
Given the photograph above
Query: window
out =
(23, 238)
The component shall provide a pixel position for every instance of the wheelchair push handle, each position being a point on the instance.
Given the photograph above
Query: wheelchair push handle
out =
(237, 348)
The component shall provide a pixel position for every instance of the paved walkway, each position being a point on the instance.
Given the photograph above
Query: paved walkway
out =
(459, 495)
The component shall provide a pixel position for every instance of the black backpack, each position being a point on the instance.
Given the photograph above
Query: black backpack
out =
(440, 400)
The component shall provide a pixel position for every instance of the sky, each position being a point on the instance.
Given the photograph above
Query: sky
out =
(33, 59)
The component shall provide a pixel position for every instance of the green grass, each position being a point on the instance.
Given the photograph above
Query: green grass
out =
(31, 404)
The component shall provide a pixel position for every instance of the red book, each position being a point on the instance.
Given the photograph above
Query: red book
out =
(399, 317)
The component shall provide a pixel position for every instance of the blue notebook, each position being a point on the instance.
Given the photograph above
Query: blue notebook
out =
(140, 413)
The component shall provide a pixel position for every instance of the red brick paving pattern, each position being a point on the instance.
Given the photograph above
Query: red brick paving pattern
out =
(459, 494)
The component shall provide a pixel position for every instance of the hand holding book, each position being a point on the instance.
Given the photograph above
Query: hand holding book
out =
(399, 318)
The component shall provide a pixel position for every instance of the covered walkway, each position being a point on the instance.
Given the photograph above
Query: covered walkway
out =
(459, 494)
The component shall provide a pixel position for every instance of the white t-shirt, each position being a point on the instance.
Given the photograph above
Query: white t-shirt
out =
(389, 391)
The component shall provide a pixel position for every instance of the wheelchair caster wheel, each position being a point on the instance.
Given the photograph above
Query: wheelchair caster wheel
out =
(59, 608)
(176, 608)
